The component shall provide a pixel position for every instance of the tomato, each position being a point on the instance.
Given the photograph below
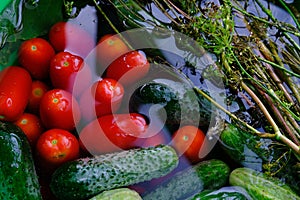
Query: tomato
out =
(188, 140)
(65, 68)
(55, 147)
(59, 109)
(35, 55)
(129, 68)
(104, 97)
(31, 125)
(112, 133)
(15, 87)
(109, 48)
(67, 36)
(38, 89)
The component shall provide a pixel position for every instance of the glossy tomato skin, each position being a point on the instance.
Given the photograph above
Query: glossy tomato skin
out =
(129, 68)
(59, 109)
(32, 126)
(104, 97)
(65, 68)
(112, 133)
(109, 48)
(70, 37)
(38, 89)
(15, 87)
(55, 147)
(187, 141)
(35, 55)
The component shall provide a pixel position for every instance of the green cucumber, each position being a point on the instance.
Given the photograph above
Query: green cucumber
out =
(179, 104)
(252, 151)
(18, 177)
(224, 193)
(210, 174)
(260, 186)
(87, 177)
(118, 194)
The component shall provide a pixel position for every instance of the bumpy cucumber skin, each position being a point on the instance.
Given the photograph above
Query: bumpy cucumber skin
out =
(260, 186)
(118, 194)
(179, 103)
(18, 178)
(87, 177)
(210, 174)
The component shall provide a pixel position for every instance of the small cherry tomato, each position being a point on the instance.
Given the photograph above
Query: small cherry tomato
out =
(109, 48)
(15, 87)
(65, 68)
(111, 133)
(59, 109)
(187, 141)
(31, 125)
(67, 36)
(129, 68)
(38, 89)
(104, 97)
(35, 55)
(55, 147)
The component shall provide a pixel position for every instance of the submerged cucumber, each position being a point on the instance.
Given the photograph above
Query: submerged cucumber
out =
(252, 151)
(179, 104)
(87, 177)
(210, 174)
(118, 194)
(18, 178)
(260, 186)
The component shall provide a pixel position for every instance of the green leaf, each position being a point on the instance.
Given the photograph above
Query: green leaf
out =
(10, 20)
(38, 20)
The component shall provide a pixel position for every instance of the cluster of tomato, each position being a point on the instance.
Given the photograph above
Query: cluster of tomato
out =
(64, 108)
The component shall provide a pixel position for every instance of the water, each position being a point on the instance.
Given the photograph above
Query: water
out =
(91, 20)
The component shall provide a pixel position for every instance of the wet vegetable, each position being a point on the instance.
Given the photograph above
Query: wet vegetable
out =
(87, 177)
(18, 177)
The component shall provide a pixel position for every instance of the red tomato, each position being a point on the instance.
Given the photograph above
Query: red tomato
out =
(129, 68)
(111, 133)
(109, 48)
(55, 147)
(35, 55)
(67, 36)
(104, 97)
(15, 87)
(65, 68)
(38, 89)
(31, 125)
(59, 109)
(188, 141)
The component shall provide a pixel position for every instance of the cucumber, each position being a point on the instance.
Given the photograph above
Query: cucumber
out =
(252, 151)
(224, 193)
(87, 177)
(179, 104)
(260, 186)
(118, 194)
(18, 177)
(210, 174)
